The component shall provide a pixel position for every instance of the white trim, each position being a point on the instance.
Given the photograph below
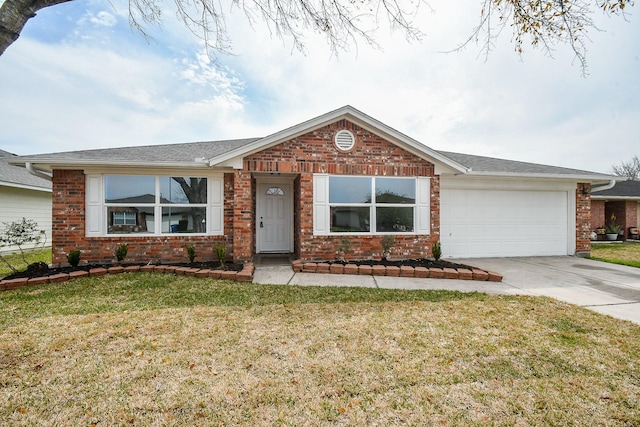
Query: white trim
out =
(25, 187)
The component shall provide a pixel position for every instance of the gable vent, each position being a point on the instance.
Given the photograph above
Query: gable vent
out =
(345, 140)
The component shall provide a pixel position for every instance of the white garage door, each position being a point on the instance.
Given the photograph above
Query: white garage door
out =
(500, 223)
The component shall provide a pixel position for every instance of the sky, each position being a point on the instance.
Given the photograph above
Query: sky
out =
(80, 78)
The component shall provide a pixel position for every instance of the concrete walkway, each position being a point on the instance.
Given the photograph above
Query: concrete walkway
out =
(606, 288)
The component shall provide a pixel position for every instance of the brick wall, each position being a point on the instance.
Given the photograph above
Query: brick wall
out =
(314, 152)
(583, 219)
(68, 231)
(631, 215)
(597, 214)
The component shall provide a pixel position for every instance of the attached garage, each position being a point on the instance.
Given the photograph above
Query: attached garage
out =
(495, 221)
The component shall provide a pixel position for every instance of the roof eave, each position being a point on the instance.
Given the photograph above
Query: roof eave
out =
(596, 196)
(593, 179)
(50, 164)
(25, 186)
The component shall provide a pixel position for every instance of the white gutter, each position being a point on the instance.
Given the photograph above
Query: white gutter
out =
(36, 172)
(611, 184)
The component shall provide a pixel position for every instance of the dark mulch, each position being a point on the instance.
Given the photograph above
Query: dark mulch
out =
(412, 262)
(41, 269)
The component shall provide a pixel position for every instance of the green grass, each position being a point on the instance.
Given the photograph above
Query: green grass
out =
(624, 253)
(18, 263)
(149, 291)
(155, 349)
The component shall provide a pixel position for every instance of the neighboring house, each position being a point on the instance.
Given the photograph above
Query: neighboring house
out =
(622, 201)
(23, 195)
(305, 189)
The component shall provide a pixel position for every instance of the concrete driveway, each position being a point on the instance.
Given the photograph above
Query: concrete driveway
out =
(606, 288)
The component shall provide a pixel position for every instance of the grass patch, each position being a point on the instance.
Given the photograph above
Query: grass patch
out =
(145, 349)
(15, 259)
(625, 253)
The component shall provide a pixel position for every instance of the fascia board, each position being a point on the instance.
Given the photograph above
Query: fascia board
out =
(25, 187)
(354, 116)
(50, 164)
(593, 179)
(595, 196)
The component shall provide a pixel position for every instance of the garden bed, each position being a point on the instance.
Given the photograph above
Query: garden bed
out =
(421, 268)
(39, 273)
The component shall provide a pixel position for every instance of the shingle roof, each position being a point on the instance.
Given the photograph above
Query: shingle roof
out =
(494, 165)
(16, 176)
(622, 189)
(157, 154)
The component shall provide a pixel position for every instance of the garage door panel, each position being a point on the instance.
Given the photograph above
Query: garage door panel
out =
(485, 223)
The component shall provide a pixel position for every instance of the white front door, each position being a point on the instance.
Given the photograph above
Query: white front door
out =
(274, 220)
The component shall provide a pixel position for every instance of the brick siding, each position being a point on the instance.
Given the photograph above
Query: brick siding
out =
(68, 231)
(315, 152)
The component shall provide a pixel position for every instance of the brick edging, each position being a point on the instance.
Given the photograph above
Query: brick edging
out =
(472, 273)
(244, 275)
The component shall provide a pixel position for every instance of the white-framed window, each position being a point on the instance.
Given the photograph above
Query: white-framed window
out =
(153, 204)
(124, 218)
(371, 204)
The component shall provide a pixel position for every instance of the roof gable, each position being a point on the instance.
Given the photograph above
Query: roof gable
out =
(234, 158)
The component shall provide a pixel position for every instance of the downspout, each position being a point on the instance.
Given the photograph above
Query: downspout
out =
(611, 184)
(40, 174)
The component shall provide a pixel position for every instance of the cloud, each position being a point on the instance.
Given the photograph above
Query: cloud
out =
(108, 87)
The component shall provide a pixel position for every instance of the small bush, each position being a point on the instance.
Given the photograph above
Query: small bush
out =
(73, 258)
(19, 234)
(220, 252)
(191, 251)
(345, 247)
(437, 251)
(388, 242)
(121, 251)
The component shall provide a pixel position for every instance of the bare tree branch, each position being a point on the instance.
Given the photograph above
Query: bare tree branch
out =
(630, 169)
(14, 15)
(543, 23)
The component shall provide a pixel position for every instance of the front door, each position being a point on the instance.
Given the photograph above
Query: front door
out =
(274, 220)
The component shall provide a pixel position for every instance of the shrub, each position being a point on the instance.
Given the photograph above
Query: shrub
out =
(73, 258)
(345, 247)
(191, 251)
(220, 252)
(388, 242)
(121, 251)
(437, 251)
(19, 234)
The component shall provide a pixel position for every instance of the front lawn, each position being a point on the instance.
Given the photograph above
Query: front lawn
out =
(145, 349)
(625, 253)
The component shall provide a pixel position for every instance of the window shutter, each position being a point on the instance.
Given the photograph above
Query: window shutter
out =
(216, 202)
(320, 204)
(423, 205)
(93, 205)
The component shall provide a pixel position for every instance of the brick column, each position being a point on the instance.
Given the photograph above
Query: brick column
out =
(242, 217)
(67, 213)
(583, 220)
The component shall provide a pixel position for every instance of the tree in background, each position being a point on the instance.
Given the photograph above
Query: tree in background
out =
(543, 24)
(630, 169)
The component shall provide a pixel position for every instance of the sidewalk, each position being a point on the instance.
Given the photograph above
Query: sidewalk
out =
(606, 288)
